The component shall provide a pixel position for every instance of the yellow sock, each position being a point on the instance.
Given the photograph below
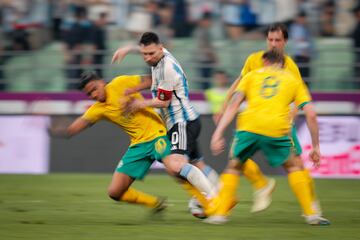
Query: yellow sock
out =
(196, 193)
(227, 195)
(253, 173)
(311, 184)
(299, 184)
(134, 196)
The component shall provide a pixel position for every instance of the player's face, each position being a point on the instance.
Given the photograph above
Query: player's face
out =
(96, 90)
(152, 53)
(276, 40)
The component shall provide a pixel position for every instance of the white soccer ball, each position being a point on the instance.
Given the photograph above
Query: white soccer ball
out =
(196, 209)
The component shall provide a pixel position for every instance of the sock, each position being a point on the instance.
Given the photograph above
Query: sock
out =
(299, 185)
(253, 173)
(197, 178)
(227, 195)
(212, 175)
(311, 184)
(134, 196)
(196, 193)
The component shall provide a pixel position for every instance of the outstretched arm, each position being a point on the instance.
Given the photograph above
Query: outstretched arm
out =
(121, 53)
(146, 82)
(311, 121)
(217, 140)
(227, 99)
(66, 132)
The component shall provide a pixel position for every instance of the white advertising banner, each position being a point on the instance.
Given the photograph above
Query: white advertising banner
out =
(339, 145)
(24, 144)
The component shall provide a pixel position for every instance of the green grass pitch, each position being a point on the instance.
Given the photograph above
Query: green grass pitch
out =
(75, 206)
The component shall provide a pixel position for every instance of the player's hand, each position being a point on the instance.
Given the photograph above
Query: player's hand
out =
(131, 106)
(217, 144)
(121, 52)
(129, 91)
(117, 56)
(315, 156)
(57, 132)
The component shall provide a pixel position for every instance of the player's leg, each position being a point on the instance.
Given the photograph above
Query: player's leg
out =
(244, 145)
(177, 163)
(310, 180)
(300, 186)
(134, 165)
(178, 166)
(279, 151)
(193, 129)
(120, 190)
(263, 186)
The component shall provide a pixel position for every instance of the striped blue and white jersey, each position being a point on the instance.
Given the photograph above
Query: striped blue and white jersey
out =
(168, 75)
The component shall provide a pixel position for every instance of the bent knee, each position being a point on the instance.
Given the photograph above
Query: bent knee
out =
(115, 195)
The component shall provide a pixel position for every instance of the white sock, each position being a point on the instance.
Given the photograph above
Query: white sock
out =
(212, 175)
(197, 178)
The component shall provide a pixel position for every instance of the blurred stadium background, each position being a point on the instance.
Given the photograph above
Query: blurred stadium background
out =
(46, 44)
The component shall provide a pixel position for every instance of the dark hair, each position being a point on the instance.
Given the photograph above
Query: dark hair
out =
(278, 27)
(87, 77)
(274, 56)
(148, 38)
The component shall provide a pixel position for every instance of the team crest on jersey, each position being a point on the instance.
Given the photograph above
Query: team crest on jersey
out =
(162, 96)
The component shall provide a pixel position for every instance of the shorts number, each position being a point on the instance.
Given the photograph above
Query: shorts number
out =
(269, 87)
(160, 146)
(174, 138)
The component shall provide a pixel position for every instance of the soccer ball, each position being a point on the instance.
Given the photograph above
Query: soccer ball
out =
(196, 209)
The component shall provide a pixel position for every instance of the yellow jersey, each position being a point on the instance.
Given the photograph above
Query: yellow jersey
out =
(255, 61)
(269, 91)
(142, 126)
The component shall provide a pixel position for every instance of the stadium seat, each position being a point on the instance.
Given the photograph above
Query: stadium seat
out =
(51, 107)
(13, 107)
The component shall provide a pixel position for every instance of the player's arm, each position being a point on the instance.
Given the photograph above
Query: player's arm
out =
(311, 121)
(121, 52)
(227, 99)
(217, 140)
(161, 101)
(146, 82)
(75, 127)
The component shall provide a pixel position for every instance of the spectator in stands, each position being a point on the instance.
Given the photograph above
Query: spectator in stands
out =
(78, 45)
(327, 20)
(205, 54)
(180, 20)
(99, 38)
(302, 43)
(356, 44)
(163, 28)
(216, 95)
(57, 8)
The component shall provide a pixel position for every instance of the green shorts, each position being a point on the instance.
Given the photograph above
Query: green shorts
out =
(276, 150)
(138, 158)
(297, 146)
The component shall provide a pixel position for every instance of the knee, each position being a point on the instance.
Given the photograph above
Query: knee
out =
(174, 163)
(115, 194)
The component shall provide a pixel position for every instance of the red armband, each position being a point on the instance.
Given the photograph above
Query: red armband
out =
(164, 95)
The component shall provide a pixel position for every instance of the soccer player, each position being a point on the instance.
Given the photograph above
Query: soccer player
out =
(169, 88)
(148, 140)
(265, 125)
(277, 36)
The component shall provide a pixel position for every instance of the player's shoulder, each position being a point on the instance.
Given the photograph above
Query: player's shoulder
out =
(256, 55)
(124, 80)
(289, 61)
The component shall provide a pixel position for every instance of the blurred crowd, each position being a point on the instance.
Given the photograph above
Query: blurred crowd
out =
(83, 27)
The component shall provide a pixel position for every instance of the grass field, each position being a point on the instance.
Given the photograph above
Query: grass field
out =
(75, 206)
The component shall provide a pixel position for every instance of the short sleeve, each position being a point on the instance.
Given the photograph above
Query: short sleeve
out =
(94, 113)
